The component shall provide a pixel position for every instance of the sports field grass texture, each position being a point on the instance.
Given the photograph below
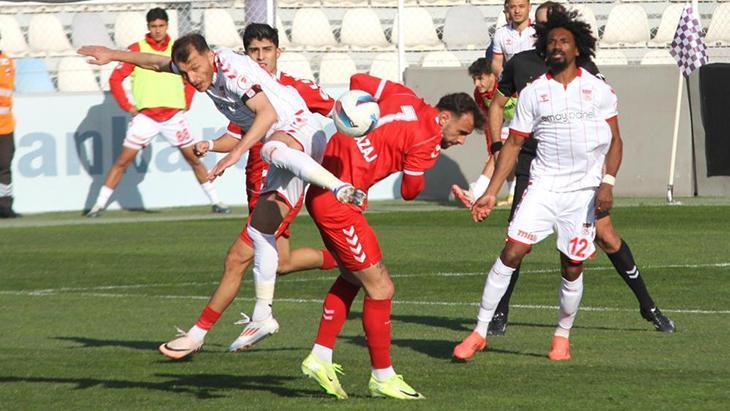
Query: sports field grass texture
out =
(84, 305)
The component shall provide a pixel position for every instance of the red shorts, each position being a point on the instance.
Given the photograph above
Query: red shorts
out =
(344, 229)
(283, 229)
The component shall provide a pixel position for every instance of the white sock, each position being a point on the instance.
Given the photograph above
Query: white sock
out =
(265, 262)
(211, 192)
(323, 353)
(570, 294)
(103, 197)
(300, 164)
(197, 333)
(479, 186)
(382, 374)
(494, 288)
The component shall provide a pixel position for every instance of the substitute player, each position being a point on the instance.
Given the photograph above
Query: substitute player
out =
(160, 101)
(515, 36)
(251, 98)
(524, 68)
(409, 137)
(567, 183)
(261, 43)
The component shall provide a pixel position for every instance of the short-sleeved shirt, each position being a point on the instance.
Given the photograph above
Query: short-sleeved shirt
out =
(407, 137)
(571, 126)
(508, 41)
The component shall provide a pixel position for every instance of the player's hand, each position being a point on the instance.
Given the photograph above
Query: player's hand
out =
(200, 148)
(483, 207)
(604, 198)
(463, 195)
(100, 55)
(227, 161)
(133, 111)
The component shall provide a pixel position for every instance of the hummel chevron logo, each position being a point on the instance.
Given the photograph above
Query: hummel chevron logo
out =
(360, 258)
(633, 273)
(349, 232)
(353, 240)
(356, 250)
(355, 246)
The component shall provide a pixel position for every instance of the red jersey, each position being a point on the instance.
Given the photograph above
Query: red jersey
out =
(124, 70)
(407, 138)
(317, 101)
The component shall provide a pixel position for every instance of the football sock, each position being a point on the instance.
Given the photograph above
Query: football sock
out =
(104, 194)
(376, 322)
(328, 261)
(511, 187)
(265, 263)
(335, 309)
(300, 164)
(495, 286)
(570, 294)
(623, 261)
(382, 374)
(479, 186)
(211, 192)
(197, 333)
(503, 306)
(208, 318)
(323, 353)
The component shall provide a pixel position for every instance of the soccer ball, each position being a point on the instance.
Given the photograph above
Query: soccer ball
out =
(356, 113)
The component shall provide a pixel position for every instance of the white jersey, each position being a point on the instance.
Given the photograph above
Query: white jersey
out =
(508, 41)
(237, 78)
(570, 125)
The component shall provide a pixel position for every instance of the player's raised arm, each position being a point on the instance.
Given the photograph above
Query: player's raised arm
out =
(101, 55)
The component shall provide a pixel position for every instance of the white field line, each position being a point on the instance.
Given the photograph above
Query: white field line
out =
(318, 301)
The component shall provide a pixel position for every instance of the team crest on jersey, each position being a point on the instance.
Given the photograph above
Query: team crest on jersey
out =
(587, 94)
(243, 83)
(544, 98)
(508, 42)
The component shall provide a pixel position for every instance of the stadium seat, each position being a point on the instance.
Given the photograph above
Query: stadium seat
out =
(296, 65)
(129, 28)
(392, 3)
(465, 28)
(440, 2)
(105, 72)
(283, 38)
(31, 76)
(89, 28)
(336, 69)
(610, 57)
(441, 58)
(627, 26)
(658, 57)
(361, 30)
(173, 24)
(311, 29)
(586, 14)
(345, 3)
(11, 37)
(719, 32)
(295, 4)
(385, 65)
(420, 32)
(487, 2)
(45, 34)
(75, 74)
(220, 29)
(668, 25)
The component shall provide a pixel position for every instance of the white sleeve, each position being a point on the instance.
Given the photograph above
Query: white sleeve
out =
(523, 123)
(497, 42)
(608, 107)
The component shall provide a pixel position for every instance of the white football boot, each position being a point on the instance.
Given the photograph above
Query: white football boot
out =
(180, 347)
(254, 332)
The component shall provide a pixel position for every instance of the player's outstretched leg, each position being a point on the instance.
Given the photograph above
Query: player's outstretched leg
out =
(623, 261)
(497, 281)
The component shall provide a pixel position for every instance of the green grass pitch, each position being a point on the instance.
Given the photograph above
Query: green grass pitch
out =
(84, 305)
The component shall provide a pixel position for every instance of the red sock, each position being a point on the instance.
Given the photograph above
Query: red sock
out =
(376, 322)
(208, 318)
(328, 261)
(336, 308)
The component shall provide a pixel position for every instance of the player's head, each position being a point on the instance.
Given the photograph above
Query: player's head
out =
(157, 23)
(194, 59)
(482, 75)
(261, 43)
(458, 116)
(518, 11)
(545, 9)
(564, 41)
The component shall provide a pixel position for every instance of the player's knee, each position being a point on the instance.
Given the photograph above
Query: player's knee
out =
(284, 266)
(270, 148)
(512, 256)
(608, 240)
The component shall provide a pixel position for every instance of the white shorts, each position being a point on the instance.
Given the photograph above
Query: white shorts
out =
(571, 214)
(308, 131)
(142, 129)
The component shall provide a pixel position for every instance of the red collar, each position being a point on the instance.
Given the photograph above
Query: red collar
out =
(161, 46)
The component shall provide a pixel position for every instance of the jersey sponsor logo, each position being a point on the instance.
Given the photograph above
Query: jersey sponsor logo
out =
(525, 234)
(568, 116)
(365, 146)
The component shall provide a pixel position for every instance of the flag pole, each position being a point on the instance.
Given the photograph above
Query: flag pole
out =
(675, 134)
